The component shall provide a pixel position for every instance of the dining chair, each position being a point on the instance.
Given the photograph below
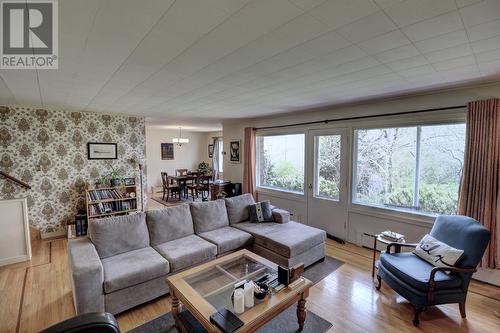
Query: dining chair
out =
(169, 188)
(200, 184)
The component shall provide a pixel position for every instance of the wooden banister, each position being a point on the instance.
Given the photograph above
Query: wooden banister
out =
(15, 180)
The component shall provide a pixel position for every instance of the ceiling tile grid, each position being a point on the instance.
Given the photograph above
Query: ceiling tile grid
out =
(220, 59)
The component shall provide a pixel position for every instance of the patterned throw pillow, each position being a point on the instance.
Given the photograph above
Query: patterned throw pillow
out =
(260, 212)
(437, 253)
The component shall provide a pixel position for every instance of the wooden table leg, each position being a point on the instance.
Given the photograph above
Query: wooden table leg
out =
(176, 309)
(301, 312)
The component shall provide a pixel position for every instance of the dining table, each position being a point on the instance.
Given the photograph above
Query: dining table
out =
(183, 179)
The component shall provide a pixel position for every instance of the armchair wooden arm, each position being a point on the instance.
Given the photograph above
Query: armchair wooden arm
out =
(390, 245)
(432, 282)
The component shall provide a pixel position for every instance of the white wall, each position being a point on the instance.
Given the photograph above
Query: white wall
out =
(365, 219)
(187, 156)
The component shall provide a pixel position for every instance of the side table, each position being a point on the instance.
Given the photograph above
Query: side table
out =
(379, 238)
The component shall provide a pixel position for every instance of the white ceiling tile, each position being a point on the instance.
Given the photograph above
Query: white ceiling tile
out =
(434, 27)
(367, 27)
(442, 41)
(411, 11)
(408, 63)
(417, 71)
(488, 56)
(384, 42)
(449, 53)
(481, 12)
(307, 4)
(486, 44)
(337, 13)
(387, 3)
(455, 63)
(463, 3)
(484, 30)
(401, 52)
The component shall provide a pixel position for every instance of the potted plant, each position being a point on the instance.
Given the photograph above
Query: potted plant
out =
(204, 168)
(115, 177)
(101, 182)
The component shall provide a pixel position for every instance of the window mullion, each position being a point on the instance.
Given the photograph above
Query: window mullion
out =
(416, 182)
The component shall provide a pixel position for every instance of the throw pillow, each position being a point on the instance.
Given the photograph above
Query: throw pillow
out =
(437, 253)
(260, 212)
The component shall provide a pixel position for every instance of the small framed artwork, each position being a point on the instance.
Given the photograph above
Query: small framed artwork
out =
(102, 151)
(210, 151)
(234, 151)
(167, 151)
(128, 181)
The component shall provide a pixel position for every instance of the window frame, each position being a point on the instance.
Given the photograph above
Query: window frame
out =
(363, 207)
(270, 189)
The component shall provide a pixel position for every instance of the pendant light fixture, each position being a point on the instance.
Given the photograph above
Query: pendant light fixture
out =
(180, 140)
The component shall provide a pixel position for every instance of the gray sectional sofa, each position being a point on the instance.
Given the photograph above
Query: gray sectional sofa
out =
(125, 259)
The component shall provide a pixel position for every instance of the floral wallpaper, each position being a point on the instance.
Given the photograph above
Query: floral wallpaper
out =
(48, 150)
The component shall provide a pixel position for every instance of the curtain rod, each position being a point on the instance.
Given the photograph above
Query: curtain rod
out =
(326, 121)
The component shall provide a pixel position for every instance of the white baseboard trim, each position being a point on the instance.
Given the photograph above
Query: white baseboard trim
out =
(14, 260)
(52, 234)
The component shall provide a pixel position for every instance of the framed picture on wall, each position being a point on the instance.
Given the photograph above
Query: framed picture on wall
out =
(167, 151)
(234, 151)
(210, 151)
(102, 151)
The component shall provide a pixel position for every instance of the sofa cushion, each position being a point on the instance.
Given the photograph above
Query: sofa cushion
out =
(187, 251)
(416, 272)
(209, 215)
(131, 268)
(169, 223)
(227, 239)
(119, 234)
(237, 207)
(288, 239)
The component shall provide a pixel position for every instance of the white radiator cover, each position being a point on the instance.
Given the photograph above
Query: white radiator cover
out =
(15, 243)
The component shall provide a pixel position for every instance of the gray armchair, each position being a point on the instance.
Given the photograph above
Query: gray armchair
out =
(424, 285)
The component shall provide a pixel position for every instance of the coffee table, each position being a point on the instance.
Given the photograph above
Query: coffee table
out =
(205, 289)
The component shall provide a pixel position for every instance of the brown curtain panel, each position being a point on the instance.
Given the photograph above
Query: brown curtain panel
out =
(249, 163)
(480, 180)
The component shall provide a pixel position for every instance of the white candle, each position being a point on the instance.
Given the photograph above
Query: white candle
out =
(239, 300)
(249, 288)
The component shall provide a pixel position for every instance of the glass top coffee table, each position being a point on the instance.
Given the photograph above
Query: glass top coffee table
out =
(205, 289)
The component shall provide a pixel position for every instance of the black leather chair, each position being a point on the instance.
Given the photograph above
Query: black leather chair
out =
(95, 322)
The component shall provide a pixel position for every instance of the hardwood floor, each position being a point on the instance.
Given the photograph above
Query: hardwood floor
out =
(37, 294)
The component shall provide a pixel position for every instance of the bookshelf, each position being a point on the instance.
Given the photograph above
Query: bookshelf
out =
(109, 201)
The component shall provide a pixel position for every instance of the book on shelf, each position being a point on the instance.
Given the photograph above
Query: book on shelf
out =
(107, 194)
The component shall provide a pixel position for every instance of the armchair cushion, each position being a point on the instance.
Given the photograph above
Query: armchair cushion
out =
(464, 233)
(437, 253)
(416, 272)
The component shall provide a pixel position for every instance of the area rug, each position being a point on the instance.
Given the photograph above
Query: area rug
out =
(284, 322)
(174, 201)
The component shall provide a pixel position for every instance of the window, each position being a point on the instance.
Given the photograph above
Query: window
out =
(327, 167)
(411, 168)
(221, 155)
(280, 162)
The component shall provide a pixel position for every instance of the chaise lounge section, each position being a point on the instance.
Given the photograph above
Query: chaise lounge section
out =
(125, 259)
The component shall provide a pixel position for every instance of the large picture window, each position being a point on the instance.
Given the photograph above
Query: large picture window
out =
(410, 168)
(280, 162)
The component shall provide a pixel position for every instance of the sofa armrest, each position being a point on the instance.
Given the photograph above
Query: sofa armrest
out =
(87, 276)
(281, 215)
